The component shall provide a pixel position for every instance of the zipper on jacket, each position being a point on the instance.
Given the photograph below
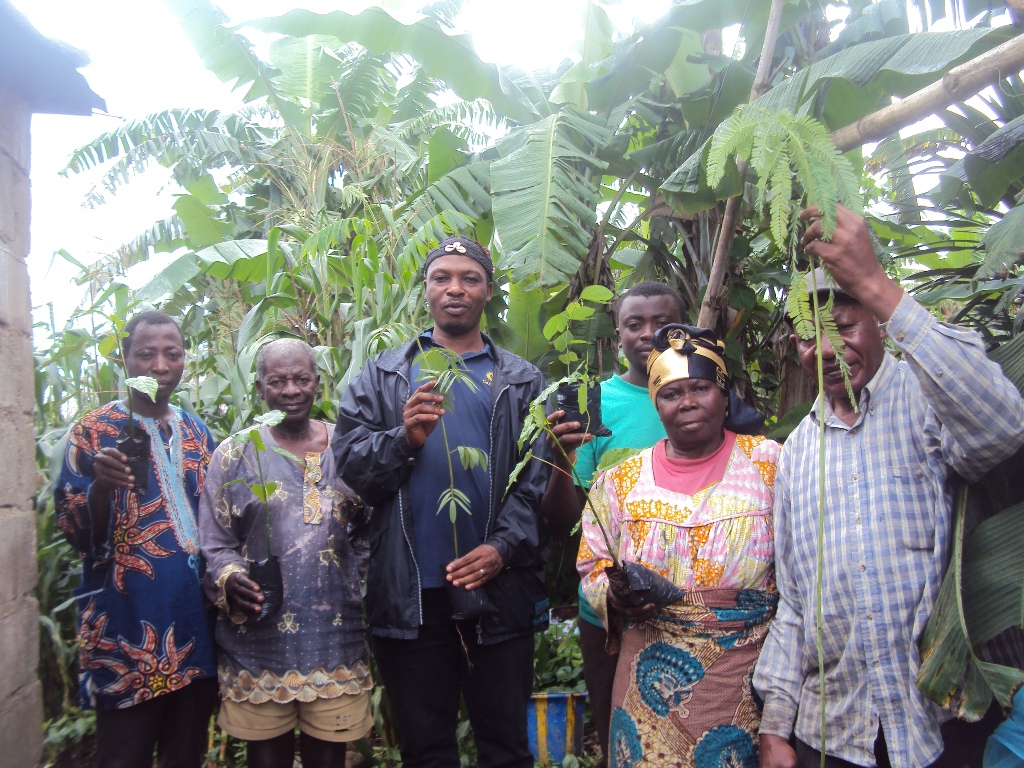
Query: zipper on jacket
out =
(490, 463)
(405, 528)
(490, 496)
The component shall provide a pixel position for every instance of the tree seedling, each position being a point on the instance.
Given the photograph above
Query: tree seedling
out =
(447, 368)
(267, 572)
(133, 444)
(577, 393)
(631, 581)
(783, 148)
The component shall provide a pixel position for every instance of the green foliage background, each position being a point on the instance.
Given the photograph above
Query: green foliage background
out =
(364, 140)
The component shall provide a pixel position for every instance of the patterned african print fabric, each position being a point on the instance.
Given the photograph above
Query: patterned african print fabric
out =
(144, 626)
(315, 646)
(682, 693)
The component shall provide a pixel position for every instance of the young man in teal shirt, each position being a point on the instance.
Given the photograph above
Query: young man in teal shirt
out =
(627, 411)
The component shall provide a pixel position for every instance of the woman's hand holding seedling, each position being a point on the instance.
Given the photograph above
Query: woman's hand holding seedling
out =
(243, 594)
(476, 568)
(421, 414)
(636, 614)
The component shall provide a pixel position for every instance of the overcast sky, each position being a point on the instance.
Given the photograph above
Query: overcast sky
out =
(142, 63)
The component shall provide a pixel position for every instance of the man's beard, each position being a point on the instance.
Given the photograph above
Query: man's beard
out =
(460, 326)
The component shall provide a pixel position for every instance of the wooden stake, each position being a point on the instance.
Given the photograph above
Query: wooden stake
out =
(958, 84)
(731, 218)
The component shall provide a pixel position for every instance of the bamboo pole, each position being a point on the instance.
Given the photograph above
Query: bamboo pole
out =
(733, 206)
(958, 84)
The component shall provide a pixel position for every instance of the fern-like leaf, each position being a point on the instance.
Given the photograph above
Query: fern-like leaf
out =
(782, 148)
(734, 136)
(453, 499)
(781, 182)
(446, 368)
(798, 306)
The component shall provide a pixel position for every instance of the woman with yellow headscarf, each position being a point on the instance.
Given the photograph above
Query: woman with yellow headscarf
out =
(696, 509)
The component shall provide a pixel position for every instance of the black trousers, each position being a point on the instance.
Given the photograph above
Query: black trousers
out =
(599, 674)
(808, 757)
(963, 745)
(175, 724)
(425, 677)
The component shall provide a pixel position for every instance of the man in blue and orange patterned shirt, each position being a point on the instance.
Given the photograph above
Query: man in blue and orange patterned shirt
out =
(147, 660)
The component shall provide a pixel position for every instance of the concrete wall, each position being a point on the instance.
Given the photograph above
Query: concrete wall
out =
(21, 708)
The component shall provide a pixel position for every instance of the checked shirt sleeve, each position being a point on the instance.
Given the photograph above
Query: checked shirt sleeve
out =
(980, 412)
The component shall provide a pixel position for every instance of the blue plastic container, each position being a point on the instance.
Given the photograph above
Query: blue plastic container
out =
(554, 723)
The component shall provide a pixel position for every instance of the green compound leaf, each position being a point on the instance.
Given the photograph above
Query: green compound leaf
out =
(446, 368)
(615, 457)
(596, 293)
(453, 499)
(786, 152)
(472, 457)
(257, 439)
(270, 418)
(576, 311)
(514, 475)
(243, 436)
(799, 308)
(556, 324)
(252, 434)
(288, 455)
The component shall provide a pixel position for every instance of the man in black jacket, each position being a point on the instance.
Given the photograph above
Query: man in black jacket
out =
(389, 451)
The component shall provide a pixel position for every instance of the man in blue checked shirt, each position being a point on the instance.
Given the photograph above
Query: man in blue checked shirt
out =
(891, 461)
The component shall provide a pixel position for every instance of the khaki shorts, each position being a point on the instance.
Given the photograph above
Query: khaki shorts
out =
(345, 718)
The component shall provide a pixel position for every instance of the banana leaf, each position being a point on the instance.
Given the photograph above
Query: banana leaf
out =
(982, 595)
(544, 202)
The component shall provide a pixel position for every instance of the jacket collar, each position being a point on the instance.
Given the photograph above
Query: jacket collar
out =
(426, 338)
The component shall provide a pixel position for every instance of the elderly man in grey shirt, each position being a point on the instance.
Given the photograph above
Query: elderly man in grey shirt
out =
(305, 663)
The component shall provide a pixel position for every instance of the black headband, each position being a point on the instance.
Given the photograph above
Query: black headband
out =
(462, 246)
